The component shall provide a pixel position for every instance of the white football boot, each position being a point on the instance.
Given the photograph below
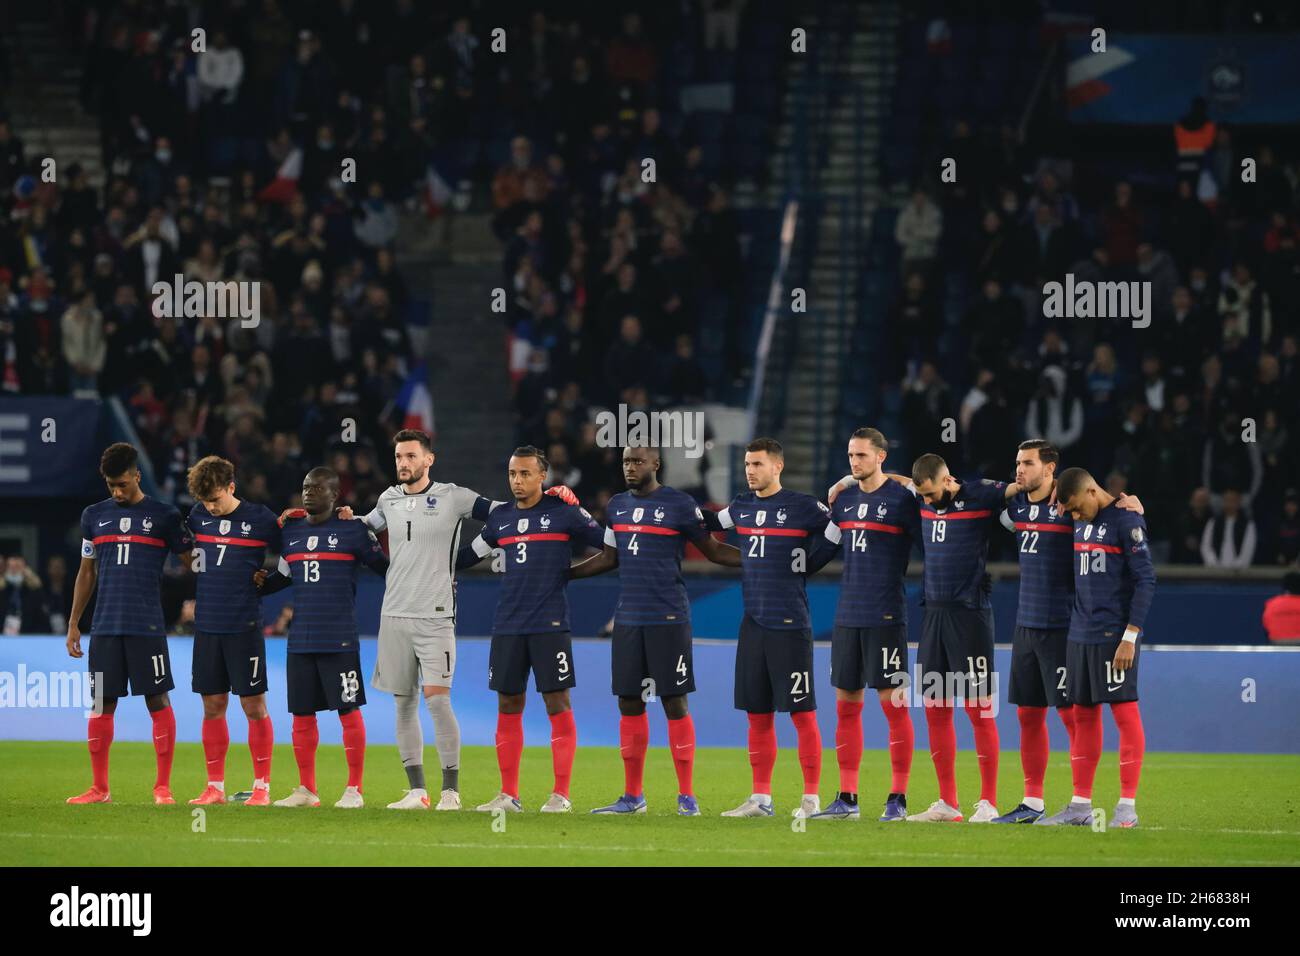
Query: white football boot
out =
(351, 800)
(939, 812)
(557, 804)
(448, 800)
(411, 800)
(758, 805)
(985, 812)
(502, 801)
(301, 797)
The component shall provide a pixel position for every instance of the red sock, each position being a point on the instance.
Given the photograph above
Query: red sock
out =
(810, 749)
(216, 741)
(681, 737)
(164, 743)
(943, 749)
(306, 736)
(1067, 718)
(1132, 745)
(261, 744)
(1086, 752)
(902, 743)
(354, 745)
(633, 739)
(848, 742)
(1034, 748)
(564, 741)
(762, 750)
(510, 747)
(99, 737)
(985, 725)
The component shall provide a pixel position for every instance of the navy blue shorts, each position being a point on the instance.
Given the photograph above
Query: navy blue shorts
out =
(874, 657)
(956, 648)
(1089, 677)
(229, 662)
(328, 681)
(654, 657)
(1038, 668)
(138, 659)
(548, 655)
(773, 669)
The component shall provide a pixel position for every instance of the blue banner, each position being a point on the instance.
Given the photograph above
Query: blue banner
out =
(1193, 700)
(1151, 79)
(50, 447)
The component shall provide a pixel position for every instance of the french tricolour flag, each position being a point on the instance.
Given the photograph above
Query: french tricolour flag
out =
(437, 194)
(416, 402)
(285, 185)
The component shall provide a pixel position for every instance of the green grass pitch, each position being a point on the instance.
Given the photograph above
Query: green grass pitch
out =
(1196, 810)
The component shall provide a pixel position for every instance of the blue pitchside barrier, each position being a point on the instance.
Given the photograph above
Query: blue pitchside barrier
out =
(1199, 699)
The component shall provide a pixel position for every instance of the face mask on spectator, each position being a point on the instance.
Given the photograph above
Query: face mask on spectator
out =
(163, 155)
(14, 577)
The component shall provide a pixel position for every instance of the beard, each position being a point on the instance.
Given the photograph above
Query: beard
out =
(944, 502)
(417, 474)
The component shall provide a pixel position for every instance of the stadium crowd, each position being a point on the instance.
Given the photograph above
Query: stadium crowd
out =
(1199, 412)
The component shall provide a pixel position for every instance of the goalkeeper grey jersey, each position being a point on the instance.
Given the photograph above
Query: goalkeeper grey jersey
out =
(423, 536)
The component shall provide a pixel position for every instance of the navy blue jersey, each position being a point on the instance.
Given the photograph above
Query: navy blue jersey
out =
(1044, 538)
(321, 561)
(776, 534)
(129, 544)
(956, 543)
(233, 546)
(650, 534)
(538, 545)
(875, 532)
(1114, 580)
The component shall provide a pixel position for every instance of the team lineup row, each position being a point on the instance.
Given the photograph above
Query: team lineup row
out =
(1086, 584)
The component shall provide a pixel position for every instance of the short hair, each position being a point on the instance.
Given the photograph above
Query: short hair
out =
(873, 435)
(1072, 481)
(769, 445)
(414, 434)
(532, 451)
(1047, 452)
(208, 476)
(325, 473)
(927, 468)
(118, 459)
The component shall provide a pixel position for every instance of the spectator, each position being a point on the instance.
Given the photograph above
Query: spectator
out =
(1229, 539)
(1281, 618)
(1287, 547)
(57, 596)
(84, 345)
(1230, 462)
(1055, 413)
(1189, 529)
(917, 232)
(1121, 226)
(24, 608)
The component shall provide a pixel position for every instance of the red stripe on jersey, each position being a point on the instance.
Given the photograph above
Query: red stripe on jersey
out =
(779, 532)
(320, 556)
(644, 529)
(132, 538)
(1093, 546)
(214, 539)
(1034, 526)
(871, 526)
(548, 536)
(935, 516)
